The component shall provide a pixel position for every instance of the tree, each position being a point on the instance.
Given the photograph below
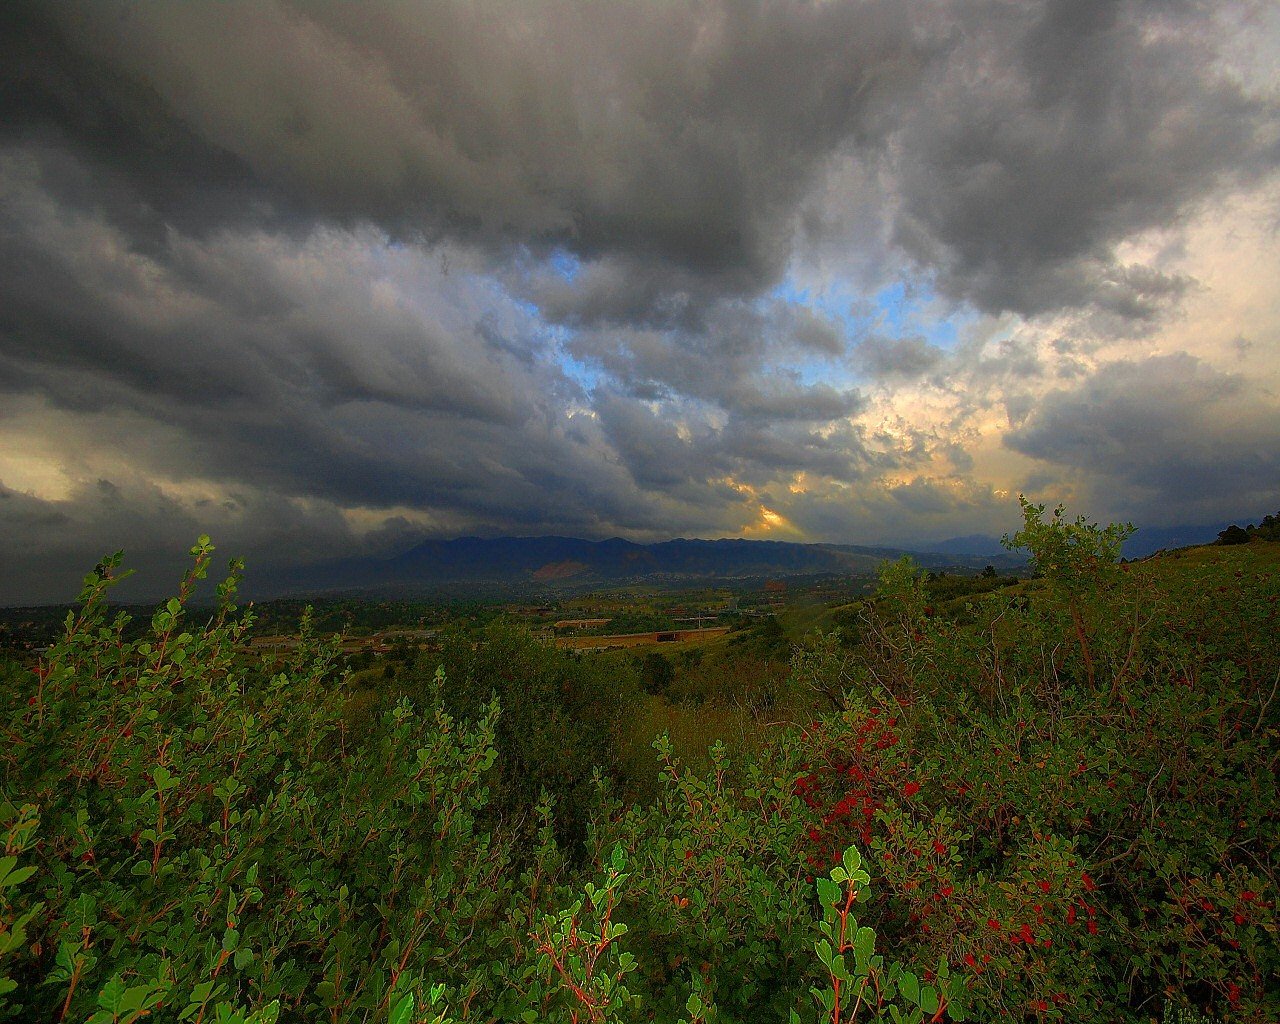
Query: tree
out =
(1076, 558)
(1233, 535)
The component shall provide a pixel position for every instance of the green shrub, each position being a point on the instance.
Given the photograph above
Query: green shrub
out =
(204, 841)
(561, 722)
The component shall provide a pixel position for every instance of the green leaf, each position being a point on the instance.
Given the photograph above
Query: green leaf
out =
(111, 994)
(864, 945)
(828, 892)
(269, 1014)
(17, 876)
(402, 1011)
(162, 778)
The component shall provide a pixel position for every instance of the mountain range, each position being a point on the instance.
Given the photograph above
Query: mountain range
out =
(514, 565)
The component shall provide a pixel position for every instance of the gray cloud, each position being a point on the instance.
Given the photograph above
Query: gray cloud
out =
(47, 546)
(1055, 130)
(1015, 144)
(678, 134)
(901, 358)
(1164, 433)
(355, 374)
(530, 268)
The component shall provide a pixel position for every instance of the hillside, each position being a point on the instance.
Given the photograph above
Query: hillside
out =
(1050, 800)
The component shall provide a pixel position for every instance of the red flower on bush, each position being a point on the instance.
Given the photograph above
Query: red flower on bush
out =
(911, 789)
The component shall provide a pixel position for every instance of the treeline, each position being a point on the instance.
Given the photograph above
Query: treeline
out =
(1268, 529)
(1057, 803)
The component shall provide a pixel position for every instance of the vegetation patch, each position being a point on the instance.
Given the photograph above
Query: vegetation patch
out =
(975, 798)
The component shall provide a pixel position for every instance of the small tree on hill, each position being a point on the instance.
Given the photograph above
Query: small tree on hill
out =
(1076, 558)
(1233, 535)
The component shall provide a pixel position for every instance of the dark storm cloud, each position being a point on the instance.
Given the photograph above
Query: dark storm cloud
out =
(1018, 142)
(693, 453)
(1054, 131)
(680, 134)
(1161, 432)
(47, 546)
(526, 267)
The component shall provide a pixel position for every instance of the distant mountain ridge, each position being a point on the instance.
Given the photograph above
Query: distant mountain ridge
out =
(511, 564)
(1146, 540)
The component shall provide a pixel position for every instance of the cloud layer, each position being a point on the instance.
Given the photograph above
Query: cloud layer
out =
(319, 278)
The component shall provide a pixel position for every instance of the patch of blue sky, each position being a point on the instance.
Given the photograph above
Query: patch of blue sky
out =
(834, 374)
(900, 309)
(526, 306)
(586, 375)
(566, 264)
(555, 336)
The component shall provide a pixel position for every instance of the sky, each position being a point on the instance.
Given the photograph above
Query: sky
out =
(324, 279)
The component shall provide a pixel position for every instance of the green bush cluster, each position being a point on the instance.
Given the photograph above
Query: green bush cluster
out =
(1058, 806)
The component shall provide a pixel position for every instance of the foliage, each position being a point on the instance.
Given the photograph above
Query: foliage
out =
(1065, 795)
(561, 720)
(207, 839)
(867, 980)
(578, 948)
(1268, 529)
(1076, 559)
(1071, 796)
